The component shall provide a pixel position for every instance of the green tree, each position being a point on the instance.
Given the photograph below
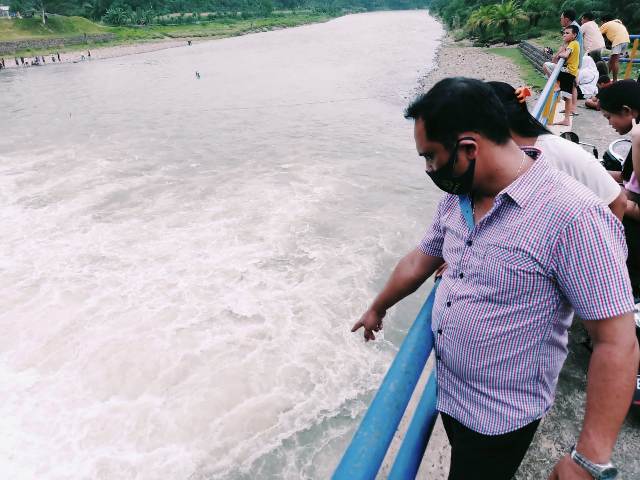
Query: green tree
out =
(116, 16)
(505, 16)
(480, 19)
(537, 9)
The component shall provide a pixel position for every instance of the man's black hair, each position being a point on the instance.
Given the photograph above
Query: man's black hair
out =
(573, 28)
(459, 104)
(589, 16)
(604, 79)
(607, 18)
(569, 13)
(520, 120)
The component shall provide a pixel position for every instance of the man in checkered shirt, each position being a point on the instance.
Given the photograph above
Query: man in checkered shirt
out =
(535, 246)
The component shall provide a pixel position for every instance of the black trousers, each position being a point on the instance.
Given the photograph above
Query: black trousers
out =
(475, 456)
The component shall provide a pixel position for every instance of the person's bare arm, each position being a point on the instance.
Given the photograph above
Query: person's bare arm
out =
(408, 275)
(619, 205)
(564, 53)
(610, 385)
(632, 210)
(635, 148)
(616, 175)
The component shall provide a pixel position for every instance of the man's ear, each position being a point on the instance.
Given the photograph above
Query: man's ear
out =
(469, 146)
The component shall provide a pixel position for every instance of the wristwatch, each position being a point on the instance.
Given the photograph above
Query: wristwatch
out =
(597, 471)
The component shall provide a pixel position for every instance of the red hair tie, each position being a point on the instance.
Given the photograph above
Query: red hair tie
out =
(522, 93)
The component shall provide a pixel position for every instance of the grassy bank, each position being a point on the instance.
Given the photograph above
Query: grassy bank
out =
(529, 74)
(58, 27)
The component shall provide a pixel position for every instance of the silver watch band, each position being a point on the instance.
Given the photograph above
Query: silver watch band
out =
(596, 470)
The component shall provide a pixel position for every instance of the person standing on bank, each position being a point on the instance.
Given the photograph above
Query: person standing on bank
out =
(568, 17)
(593, 39)
(618, 36)
(526, 246)
(571, 52)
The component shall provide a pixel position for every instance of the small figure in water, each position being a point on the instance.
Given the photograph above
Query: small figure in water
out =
(189, 42)
(59, 56)
(89, 53)
(197, 75)
(53, 59)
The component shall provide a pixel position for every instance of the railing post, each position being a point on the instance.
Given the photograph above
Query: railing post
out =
(632, 55)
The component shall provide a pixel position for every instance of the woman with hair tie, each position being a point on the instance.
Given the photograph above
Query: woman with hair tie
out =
(564, 155)
(620, 105)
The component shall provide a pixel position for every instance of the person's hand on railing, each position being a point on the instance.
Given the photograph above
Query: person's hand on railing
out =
(371, 321)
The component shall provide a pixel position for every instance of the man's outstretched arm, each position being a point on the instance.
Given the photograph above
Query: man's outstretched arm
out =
(407, 276)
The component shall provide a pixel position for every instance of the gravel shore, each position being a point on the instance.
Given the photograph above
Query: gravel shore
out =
(462, 59)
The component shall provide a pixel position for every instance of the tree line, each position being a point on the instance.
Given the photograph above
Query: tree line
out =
(488, 19)
(147, 12)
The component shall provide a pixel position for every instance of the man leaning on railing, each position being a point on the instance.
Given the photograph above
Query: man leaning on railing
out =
(539, 247)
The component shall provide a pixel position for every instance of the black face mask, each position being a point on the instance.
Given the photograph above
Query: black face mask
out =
(445, 179)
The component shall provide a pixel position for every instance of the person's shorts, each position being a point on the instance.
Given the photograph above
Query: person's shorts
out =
(567, 81)
(619, 49)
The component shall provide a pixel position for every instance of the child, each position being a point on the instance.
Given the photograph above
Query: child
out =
(594, 103)
(570, 51)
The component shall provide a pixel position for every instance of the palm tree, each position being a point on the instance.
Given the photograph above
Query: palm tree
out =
(480, 19)
(505, 16)
(536, 9)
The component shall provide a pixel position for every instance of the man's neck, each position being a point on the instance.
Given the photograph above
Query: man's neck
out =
(502, 165)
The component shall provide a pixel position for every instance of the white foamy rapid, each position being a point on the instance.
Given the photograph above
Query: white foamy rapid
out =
(182, 259)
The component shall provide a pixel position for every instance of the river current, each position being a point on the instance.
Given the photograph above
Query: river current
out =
(182, 259)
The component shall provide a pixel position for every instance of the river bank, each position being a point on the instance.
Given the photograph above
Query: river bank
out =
(561, 426)
(109, 42)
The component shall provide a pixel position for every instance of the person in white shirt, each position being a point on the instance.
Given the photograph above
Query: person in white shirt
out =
(587, 79)
(564, 155)
(593, 39)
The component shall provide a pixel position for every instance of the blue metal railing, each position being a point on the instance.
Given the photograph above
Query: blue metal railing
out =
(546, 102)
(369, 445)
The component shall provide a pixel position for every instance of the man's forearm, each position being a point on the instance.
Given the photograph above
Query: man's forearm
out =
(409, 274)
(610, 386)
